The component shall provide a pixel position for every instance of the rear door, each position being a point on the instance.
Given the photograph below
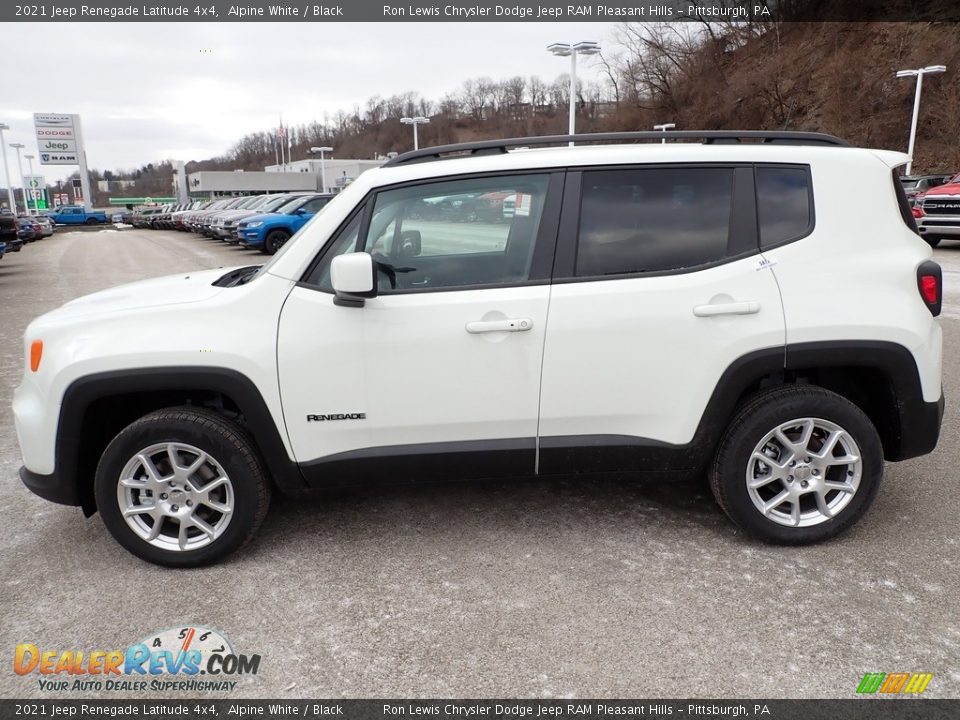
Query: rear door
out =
(659, 288)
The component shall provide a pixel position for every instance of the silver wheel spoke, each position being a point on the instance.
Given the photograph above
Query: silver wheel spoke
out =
(219, 507)
(139, 510)
(771, 462)
(842, 487)
(203, 526)
(778, 500)
(132, 482)
(804, 442)
(151, 469)
(829, 444)
(843, 460)
(795, 512)
(822, 505)
(182, 534)
(762, 480)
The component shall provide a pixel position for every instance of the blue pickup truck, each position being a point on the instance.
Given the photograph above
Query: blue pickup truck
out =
(76, 215)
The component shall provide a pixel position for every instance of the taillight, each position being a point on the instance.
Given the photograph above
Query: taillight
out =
(930, 284)
(917, 211)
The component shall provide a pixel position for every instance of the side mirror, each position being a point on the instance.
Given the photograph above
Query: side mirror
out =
(410, 244)
(300, 211)
(354, 277)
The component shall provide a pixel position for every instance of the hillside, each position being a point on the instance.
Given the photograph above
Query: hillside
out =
(837, 78)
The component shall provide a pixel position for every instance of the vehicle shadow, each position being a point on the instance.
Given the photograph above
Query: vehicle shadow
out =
(484, 510)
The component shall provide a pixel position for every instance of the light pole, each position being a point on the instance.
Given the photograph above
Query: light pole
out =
(664, 127)
(418, 120)
(30, 166)
(323, 166)
(18, 147)
(563, 50)
(918, 74)
(6, 170)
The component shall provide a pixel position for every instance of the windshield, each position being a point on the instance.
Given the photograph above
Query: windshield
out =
(275, 202)
(292, 205)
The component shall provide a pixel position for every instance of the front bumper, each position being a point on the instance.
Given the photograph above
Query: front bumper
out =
(943, 225)
(50, 487)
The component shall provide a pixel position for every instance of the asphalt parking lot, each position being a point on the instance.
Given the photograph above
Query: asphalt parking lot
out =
(599, 588)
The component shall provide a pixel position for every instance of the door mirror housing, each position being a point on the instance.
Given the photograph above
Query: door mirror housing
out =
(354, 278)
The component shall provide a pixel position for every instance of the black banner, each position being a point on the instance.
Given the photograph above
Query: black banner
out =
(480, 11)
(853, 709)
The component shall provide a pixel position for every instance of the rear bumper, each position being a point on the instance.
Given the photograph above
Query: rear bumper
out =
(919, 428)
(50, 487)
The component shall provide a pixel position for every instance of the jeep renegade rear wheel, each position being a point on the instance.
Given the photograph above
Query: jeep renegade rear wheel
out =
(181, 487)
(797, 465)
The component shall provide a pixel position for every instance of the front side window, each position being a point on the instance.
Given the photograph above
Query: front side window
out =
(783, 204)
(449, 235)
(641, 220)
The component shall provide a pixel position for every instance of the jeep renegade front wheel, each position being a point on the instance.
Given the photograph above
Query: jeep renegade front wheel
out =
(797, 465)
(181, 487)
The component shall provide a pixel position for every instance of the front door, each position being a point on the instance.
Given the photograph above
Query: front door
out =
(438, 376)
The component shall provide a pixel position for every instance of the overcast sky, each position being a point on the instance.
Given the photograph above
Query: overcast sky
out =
(150, 91)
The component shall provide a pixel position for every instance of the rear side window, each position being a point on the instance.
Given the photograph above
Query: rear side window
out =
(784, 207)
(653, 219)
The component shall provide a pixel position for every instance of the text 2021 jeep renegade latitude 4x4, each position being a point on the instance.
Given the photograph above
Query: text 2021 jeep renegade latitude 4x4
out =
(717, 305)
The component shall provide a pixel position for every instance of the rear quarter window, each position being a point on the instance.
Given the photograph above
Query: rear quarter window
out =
(784, 203)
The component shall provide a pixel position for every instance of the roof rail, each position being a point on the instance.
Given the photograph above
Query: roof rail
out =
(709, 137)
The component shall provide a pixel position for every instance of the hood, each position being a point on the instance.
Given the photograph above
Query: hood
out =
(261, 217)
(948, 189)
(169, 290)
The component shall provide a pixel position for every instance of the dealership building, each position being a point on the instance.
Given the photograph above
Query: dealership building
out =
(302, 176)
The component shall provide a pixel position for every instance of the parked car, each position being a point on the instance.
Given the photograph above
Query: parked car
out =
(914, 185)
(46, 226)
(28, 229)
(8, 228)
(270, 231)
(76, 215)
(937, 212)
(647, 310)
(230, 220)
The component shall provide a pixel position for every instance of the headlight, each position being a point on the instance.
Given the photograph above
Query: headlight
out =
(253, 225)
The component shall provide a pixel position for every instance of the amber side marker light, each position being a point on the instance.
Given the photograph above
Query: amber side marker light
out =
(36, 352)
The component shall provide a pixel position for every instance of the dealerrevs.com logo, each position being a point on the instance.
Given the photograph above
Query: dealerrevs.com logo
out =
(189, 659)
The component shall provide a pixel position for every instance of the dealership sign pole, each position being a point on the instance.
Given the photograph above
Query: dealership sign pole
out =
(60, 142)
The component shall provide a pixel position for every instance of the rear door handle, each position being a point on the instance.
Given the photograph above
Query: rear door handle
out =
(508, 325)
(736, 308)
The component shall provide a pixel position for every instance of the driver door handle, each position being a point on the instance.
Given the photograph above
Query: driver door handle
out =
(735, 308)
(508, 325)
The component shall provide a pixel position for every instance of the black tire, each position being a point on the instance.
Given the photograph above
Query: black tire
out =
(226, 442)
(932, 240)
(759, 416)
(92, 221)
(274, 241)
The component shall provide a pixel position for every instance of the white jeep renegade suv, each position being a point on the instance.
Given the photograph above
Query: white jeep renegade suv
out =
(718, 305)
